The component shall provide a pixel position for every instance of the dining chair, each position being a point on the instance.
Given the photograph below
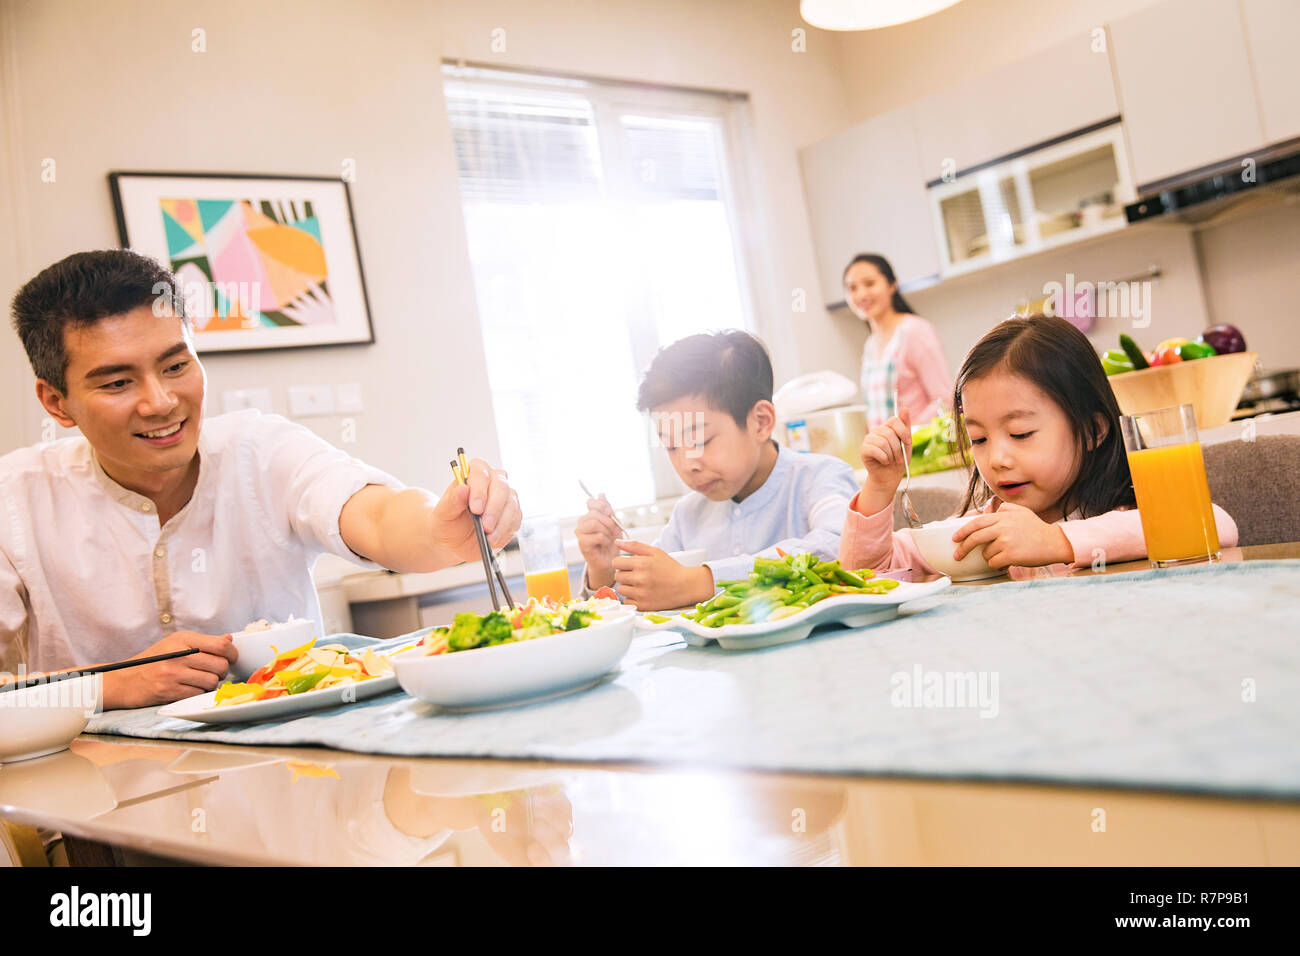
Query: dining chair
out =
(22, 844)
(1258, 483)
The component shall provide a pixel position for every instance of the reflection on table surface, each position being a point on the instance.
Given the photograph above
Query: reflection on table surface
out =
(232, 804)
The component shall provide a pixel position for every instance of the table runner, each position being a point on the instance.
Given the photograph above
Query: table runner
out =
(1185, 679)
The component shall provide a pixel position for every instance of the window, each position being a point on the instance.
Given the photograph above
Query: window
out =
(602, 224)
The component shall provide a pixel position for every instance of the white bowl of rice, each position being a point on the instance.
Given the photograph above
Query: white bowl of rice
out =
(260, 641)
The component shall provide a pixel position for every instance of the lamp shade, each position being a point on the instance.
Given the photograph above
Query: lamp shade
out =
(867, 14)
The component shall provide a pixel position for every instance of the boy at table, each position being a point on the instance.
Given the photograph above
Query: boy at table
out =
(159, 530)
(710, 399)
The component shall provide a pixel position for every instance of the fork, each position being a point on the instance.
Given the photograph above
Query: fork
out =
(913, 521)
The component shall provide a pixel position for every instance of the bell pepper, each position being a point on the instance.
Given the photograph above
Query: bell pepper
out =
(1190, 351)
(227, 691)
(1172, 343)
(1166, 356)
(306, 682)
(1116, 362)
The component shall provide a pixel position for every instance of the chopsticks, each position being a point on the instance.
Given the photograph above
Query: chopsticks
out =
(460, 468)
(53, 676)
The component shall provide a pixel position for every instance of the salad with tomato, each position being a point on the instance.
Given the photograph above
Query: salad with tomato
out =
(537, 618)
(307, 668)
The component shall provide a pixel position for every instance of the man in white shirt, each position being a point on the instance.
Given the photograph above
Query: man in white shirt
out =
(157, 531)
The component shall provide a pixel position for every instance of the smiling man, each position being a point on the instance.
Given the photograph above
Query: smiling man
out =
(159, 531)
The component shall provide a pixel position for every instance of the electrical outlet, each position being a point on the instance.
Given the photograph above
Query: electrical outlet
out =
(349, 397)
(236, 399)
(307, 400)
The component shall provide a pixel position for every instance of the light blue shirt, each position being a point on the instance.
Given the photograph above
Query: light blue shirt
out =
(800, 507)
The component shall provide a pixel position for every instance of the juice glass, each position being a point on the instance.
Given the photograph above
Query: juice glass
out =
(1173, 494)
(545, 572)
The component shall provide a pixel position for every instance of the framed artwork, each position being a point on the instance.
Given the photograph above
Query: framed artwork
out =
(263, 262)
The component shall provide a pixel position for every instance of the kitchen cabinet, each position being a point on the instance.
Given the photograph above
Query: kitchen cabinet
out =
(866, 193)
(1272, 29)
(1185, 87)
(1060, 90)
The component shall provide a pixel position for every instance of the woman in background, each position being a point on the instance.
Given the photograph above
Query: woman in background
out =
(903, 365)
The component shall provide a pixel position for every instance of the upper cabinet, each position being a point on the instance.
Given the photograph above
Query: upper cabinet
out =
(866, 193)
(1063, 89)
(1185, 85)
(1272, 30)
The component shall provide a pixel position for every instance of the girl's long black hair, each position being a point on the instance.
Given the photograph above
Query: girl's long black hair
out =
(1059, 359)
(897, 301)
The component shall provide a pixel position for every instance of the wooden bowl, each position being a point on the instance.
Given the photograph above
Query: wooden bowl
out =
(1213, 385)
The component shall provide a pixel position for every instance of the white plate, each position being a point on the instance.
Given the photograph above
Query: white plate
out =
(200, 708)
(852, 610)
(506, 675)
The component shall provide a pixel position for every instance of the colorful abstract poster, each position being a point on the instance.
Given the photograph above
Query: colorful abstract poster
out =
(261, 262)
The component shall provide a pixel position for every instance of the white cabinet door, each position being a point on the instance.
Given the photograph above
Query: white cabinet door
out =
(1062, 89)
(1272, 33)
(1185, 87)
(866, 193)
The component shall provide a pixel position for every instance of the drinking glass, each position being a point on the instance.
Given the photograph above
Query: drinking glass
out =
(545, 572)
(1173, 494)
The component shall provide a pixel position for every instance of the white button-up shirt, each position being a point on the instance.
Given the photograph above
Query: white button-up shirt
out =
(87, 575)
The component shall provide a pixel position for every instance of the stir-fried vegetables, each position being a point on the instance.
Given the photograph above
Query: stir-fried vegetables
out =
(307, 668)
(782, 587)
(537, 618)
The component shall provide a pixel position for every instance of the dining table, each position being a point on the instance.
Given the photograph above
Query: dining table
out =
(119, 800)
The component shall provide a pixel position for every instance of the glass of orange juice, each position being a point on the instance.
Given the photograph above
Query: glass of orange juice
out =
(1173, 494)
(545, 572)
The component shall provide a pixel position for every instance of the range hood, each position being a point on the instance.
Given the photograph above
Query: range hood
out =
(1205, 194)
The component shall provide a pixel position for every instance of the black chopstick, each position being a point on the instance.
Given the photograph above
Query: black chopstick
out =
(478, 521)
(98, 669)
(490, 567)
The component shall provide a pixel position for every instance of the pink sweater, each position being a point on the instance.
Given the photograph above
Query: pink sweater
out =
(872, 542)
(922, 370)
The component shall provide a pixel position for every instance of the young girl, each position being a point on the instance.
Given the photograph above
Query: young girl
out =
(1052, 484)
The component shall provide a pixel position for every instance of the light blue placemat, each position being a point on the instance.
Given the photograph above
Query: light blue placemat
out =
(1186, 679)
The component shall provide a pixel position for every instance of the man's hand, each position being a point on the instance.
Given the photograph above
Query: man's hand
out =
(653, 581)
(487, 495)
(1014, 535)
(166, 681)
(598, 531)
(411, 530)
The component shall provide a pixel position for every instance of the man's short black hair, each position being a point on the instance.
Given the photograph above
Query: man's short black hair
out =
(730, 369)
(80, 290)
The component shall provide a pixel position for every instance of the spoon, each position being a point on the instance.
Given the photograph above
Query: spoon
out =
(913, 521)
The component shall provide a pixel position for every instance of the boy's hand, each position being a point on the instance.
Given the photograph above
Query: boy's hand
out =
(885, 451)
(597, 533)
(1014, 535)
(166, 681)
(653, 581)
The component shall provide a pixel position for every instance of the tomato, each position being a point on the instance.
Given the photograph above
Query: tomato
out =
(1166, 356)
(603, 593)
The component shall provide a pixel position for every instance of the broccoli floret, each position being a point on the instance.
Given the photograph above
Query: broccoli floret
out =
(495, 629)
(465, 632)
(533, 625)
(579, 618)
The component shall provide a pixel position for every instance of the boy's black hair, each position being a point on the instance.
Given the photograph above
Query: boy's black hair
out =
(80, 290)
(729, 368)
(1059, 359)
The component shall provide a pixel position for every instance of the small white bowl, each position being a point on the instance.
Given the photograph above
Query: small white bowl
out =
(519, 672)
(44, 719)
(254, 647)
(935, 543)
(689, 559)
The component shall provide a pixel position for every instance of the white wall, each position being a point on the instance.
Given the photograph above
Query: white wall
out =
(297, 86)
